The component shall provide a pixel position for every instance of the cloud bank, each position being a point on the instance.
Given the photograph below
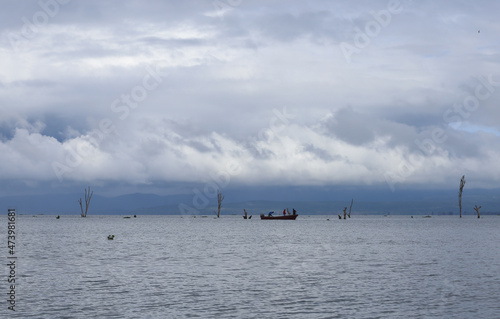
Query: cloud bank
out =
(144, 93)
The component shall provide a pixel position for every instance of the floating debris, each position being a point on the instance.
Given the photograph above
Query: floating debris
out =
(111, 237)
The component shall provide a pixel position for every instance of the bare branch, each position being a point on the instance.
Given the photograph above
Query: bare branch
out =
(88, 197)
(81, 207)
(477, 210)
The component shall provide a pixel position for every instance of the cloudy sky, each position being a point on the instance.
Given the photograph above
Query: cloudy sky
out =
(136, 96)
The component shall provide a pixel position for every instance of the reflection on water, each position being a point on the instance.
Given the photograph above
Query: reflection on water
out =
(184, 267)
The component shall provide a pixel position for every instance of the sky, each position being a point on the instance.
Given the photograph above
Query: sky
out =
(157, 96)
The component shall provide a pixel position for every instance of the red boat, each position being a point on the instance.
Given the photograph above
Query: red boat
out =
(285, 217)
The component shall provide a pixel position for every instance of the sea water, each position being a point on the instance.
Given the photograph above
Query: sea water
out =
(313, 267)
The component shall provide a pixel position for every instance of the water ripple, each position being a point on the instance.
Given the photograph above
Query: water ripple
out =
(172, 267)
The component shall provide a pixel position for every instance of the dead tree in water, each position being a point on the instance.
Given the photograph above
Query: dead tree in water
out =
(345, 213)
(349, 215)
(462, 184)
(88, 196)
(477, 210)
(220, 198)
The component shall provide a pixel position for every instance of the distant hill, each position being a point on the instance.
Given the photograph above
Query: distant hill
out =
(337, 207)
(306, 200)
(68, 203)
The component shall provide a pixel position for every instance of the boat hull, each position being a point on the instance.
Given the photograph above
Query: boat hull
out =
(284, 217)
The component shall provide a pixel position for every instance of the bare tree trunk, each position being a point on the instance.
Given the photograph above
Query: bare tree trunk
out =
(345, 213)
(349, 215)
(477, 210)
(219, 202)
(88, 196)
(462, 184)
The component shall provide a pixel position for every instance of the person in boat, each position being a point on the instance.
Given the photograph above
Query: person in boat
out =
(270, 214)
(294, 211)
(284, 212)
(288, 211)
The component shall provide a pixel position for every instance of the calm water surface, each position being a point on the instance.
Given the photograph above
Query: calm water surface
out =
(185, 267)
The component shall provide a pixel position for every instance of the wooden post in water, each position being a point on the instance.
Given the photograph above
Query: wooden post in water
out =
(349, 215)
(462, 184)
(220, 198)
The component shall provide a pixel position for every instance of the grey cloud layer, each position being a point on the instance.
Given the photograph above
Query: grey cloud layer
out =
(78, 101)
